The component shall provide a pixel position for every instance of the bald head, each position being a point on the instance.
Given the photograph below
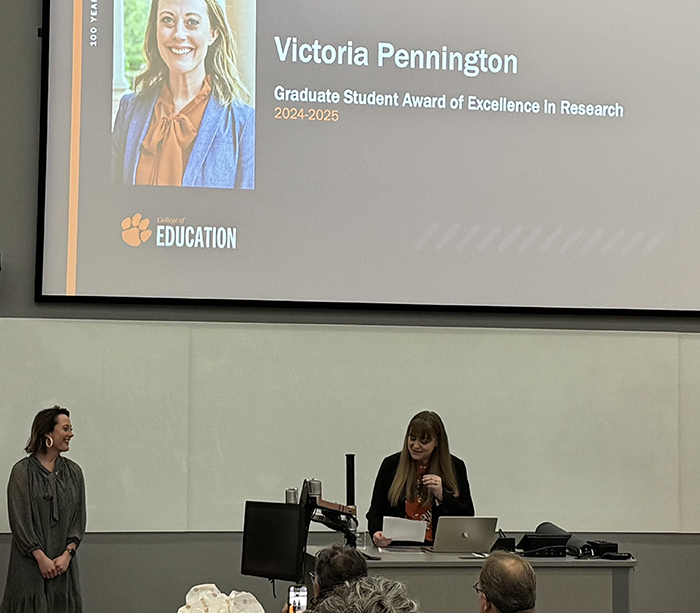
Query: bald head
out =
(507, 583)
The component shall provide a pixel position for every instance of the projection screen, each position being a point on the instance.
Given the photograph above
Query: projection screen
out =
(504, 153)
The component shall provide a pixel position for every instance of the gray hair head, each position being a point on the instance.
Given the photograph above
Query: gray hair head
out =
(373, 594)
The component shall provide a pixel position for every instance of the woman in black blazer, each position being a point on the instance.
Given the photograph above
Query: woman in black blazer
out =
(423, 481)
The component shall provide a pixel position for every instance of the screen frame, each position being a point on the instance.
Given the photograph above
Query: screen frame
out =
(609, 316)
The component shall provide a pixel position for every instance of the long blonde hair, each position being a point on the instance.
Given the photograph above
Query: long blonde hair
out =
(426, 424)
(226, 83)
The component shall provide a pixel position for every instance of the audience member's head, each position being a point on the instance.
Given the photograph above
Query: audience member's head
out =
(336, 566)
(375, 594)
(506, 584)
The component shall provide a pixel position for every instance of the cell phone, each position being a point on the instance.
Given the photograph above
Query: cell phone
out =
(298, 598)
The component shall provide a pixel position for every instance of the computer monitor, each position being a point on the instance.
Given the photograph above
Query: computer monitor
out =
(274, 540)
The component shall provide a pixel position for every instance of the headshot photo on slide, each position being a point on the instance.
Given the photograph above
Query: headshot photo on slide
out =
(183, 103)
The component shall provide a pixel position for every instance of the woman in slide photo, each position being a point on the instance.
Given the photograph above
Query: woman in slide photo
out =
(421, 482)
(46, 507)
(188, 123)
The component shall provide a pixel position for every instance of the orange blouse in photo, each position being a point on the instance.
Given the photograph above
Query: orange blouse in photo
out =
(166, 148)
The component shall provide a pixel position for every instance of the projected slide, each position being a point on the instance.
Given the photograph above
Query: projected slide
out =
(525, 153)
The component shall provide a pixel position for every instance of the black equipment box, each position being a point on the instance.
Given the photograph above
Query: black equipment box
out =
(544, 545)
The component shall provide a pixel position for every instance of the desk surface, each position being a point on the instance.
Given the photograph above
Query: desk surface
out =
(392, 559)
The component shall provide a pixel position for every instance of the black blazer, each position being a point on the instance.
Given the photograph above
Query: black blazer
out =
(450, 505)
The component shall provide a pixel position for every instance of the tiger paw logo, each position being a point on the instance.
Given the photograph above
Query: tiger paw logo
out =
(135, 230)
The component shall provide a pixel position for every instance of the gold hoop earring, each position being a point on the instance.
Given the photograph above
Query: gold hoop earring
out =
(49, 442)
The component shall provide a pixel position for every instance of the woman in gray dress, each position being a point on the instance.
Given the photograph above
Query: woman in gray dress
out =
(46, 505)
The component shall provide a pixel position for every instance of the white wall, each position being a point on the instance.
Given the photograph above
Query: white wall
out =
(177, 424)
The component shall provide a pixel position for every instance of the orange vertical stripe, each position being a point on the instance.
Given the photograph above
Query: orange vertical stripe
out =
(74, 147)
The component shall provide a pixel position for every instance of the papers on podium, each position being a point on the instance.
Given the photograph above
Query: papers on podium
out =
(399, 529)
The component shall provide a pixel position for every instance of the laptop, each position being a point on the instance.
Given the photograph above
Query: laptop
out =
(456, 534)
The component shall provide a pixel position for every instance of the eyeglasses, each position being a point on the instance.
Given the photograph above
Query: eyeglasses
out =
(312, 576)
(477, 589)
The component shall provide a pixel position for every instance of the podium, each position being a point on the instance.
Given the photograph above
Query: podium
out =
(442, 582)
